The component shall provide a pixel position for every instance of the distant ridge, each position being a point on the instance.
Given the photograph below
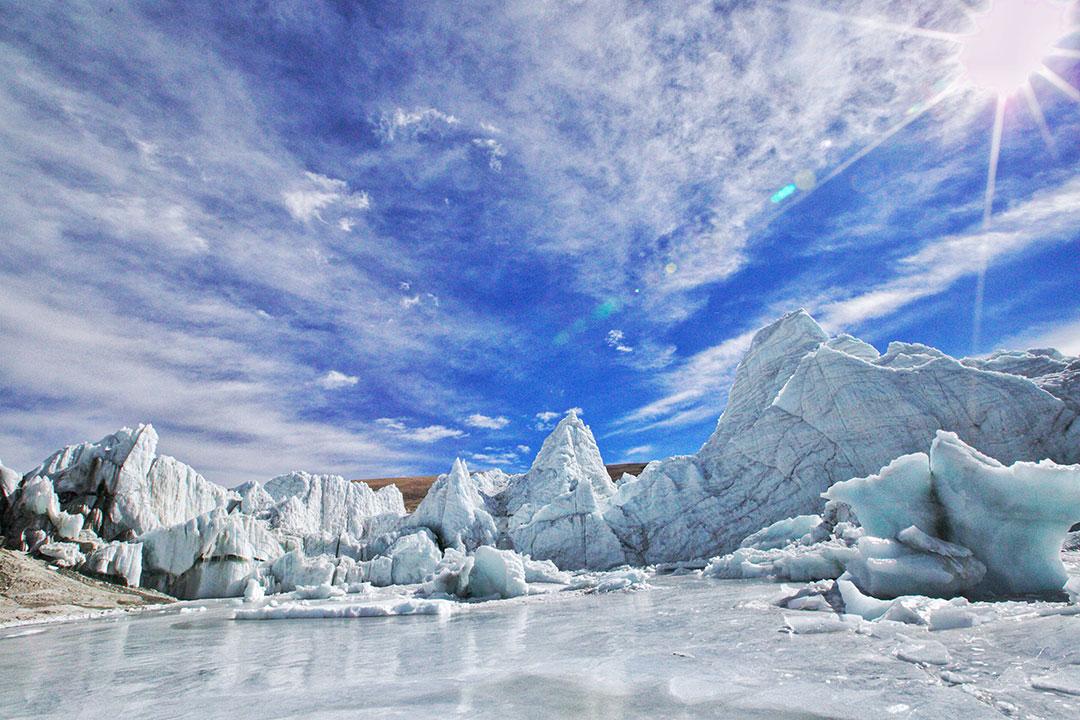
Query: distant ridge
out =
(413, 489)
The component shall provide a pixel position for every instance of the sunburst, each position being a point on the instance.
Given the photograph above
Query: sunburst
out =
(1009, 46)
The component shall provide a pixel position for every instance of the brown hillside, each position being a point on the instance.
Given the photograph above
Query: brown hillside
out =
(413, 489)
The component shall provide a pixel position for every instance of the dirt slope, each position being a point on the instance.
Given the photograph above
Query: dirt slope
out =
(414, 488)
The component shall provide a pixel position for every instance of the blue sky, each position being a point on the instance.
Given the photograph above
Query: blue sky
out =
(367, 237)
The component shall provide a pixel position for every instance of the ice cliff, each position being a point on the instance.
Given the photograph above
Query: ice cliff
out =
(806, 411)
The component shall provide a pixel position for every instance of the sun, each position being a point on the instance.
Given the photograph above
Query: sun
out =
(1011, 41)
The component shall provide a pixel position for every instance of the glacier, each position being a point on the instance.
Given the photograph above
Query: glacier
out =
(807, 414)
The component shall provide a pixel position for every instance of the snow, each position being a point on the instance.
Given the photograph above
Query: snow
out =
(456, 512)
(209, 556)
(569, 456)
(9, 480)
(294, 611)
(316, 505)
(142, 491)
(571, 532)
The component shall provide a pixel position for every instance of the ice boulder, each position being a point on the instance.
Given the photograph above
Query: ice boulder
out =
(897, 497)
(294, 570)
(496, 573)
(571, 532)
(63, 554)
(414, 558)
(1014, 518)
(782, 533)
(913, 564)
(975, 526)
(456, 512)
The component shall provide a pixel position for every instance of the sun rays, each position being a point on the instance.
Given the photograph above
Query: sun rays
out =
(1007, 48)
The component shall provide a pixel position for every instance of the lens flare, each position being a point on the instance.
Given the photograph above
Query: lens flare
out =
(1011, 41)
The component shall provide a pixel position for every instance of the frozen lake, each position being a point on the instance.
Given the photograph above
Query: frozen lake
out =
(686, 648)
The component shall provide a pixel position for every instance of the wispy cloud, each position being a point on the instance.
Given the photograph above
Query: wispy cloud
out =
(489, 423)
(318, 193)
(696, 388)
(425, 435)
(335, 380)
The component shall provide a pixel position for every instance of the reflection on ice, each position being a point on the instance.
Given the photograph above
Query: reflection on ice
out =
(690, 647)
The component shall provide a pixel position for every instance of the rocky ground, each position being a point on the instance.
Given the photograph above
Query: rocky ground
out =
(33, 591)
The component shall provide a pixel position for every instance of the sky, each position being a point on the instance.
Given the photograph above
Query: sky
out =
(368, 237)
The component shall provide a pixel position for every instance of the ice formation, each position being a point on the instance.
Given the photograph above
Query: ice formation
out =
(571, 532)
(806, 414)
(806, 411)
(954, 522)
(456, 511)
(568, 457)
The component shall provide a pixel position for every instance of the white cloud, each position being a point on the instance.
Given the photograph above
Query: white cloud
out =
(639, 451)
(335, 380)
(426, 435)
(1062, 336)
(523, 449)
(490, 423)
(494, 150)
(495, 459)
(1049, 216)
(96, 181)
(306, 201)
(402, 123)
(615, 340)
(548, 419)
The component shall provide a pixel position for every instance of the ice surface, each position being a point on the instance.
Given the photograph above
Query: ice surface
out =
(689, 649)
(294, 611)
